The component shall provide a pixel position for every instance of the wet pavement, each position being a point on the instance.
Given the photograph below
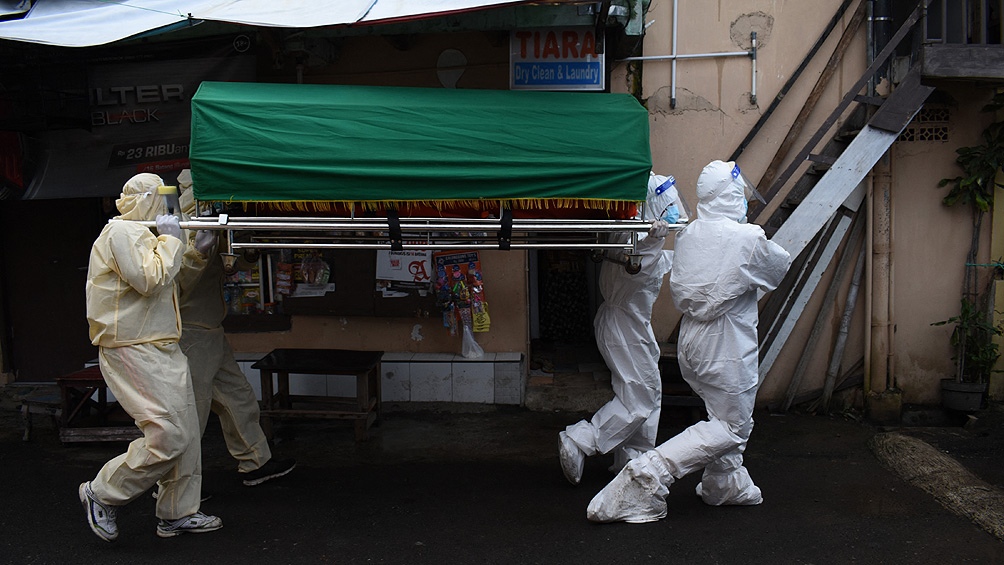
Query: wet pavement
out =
(455, 484)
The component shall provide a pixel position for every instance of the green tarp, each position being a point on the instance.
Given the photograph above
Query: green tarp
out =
(259, 142)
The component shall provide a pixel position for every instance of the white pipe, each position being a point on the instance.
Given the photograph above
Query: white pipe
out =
(891, 314)
(753, 73)
(867, 384)
(672, 81)
(690, 56)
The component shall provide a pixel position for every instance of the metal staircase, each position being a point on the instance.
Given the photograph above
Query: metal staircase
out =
(819, 210)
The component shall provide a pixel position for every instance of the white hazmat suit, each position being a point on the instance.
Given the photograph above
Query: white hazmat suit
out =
(629, 422)
(132, 313)
(719, 266)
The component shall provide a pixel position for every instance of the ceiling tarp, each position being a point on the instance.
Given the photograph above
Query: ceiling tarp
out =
(255, 142)
(13, 7)
(83, 23)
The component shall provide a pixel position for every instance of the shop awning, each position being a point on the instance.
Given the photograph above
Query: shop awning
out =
(294, 143)
(83, 23)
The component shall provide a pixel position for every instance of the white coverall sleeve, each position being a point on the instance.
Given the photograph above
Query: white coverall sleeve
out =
(768, 264)
(148, 262)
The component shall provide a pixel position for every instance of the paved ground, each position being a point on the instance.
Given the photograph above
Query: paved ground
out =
(484, 487)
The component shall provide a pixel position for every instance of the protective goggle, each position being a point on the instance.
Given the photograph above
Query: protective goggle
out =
(749, 190)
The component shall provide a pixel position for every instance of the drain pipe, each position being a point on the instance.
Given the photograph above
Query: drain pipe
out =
(880, 276)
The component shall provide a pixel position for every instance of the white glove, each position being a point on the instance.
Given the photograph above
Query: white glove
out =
(660, 228)
(205, 241)
(168, 224)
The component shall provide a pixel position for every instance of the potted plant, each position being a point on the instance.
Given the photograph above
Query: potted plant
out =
(976, 353)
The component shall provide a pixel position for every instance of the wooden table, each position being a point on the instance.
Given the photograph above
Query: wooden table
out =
(83, 418)
(363, 408)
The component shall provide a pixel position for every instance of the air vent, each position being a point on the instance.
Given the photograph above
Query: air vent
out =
(930, 124)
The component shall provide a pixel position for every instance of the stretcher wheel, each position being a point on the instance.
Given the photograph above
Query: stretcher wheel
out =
(251, 255)
(597, 255)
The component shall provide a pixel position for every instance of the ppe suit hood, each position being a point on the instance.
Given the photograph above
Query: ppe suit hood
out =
(661, 194)
(718, 194)
(186, 198)
(139, 200)
(187, 202)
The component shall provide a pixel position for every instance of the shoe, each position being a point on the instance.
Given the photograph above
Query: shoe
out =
(272, 469)
(197, 523)
(100, 517)
(633, 496)
(572, 458)
(156, 493)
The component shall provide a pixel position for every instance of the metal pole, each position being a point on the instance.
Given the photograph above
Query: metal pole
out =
(690, 56)
(672, 81)
(753, 55)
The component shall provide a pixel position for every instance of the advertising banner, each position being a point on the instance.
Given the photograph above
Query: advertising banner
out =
(138, 120)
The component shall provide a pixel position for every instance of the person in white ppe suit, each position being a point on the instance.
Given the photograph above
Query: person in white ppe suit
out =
(219, 384)
(628, 423)
(720, 265)
(132, 313)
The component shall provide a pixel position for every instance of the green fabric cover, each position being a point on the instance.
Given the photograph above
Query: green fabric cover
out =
(259, 142)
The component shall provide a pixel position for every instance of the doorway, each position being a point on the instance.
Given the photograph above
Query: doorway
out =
(44, 250)
(564, 297)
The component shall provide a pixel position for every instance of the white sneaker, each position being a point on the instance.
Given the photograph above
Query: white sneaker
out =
(100, 518)
(194, 524)
(572, 458)
(633, 497)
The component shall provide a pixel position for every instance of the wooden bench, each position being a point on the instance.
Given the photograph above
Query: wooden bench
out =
(363, 408)
(84, 418)
(45, 403)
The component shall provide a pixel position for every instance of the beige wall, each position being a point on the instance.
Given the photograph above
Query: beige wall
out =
(930, 246)
(712, 116)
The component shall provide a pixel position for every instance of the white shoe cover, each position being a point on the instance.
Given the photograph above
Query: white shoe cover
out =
(633, 497)
(751, 496)
(572, 458)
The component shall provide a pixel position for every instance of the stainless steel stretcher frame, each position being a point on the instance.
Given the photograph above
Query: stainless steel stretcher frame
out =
(506, 233)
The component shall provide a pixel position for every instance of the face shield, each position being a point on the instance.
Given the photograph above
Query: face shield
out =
(170, 195)
(749, 191)
(664, 201)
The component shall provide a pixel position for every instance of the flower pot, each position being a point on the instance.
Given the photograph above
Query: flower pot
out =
(964, 397)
